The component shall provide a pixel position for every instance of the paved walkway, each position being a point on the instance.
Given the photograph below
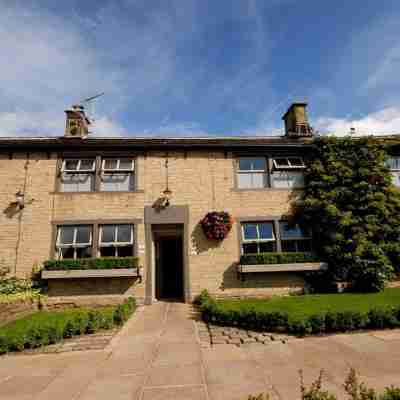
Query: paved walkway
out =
(158, 355)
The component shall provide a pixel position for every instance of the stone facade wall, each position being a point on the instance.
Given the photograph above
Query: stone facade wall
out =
(202, 180)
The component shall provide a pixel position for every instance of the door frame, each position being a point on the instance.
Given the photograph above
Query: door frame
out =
(163, 220)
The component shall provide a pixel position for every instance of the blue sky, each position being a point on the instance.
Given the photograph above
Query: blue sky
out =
(198, 67)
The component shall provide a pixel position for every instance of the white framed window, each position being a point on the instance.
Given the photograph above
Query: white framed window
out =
(74, 241)
(258, 237)
(294, 238)
(77, 175)
(116, 240)
(287, 172)
(393, 163)
(117, 174)
(251, 172)
(288, 162)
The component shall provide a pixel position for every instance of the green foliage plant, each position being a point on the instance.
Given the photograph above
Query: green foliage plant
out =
(91, 263)
(278, 258)
(48, 327)
(353, 209)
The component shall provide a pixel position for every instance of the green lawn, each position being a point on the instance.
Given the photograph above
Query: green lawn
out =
(303, 306)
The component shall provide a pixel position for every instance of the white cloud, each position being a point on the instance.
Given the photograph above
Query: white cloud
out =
(383, 122)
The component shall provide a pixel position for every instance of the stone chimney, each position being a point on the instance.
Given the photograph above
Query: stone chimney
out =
(296, 121)
(77, 123)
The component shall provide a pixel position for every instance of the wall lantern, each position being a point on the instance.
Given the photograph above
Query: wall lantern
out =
(20, 200)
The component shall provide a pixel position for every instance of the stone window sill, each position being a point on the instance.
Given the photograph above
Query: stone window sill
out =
(92, 273)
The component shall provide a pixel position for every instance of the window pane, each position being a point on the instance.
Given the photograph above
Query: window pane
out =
(125, 251)
(258, 180)
(393, 162)
(83, 234)
(292, 232)
(288, 245)
(244, 181)
(83, 252)
(250, 248)
(67, 252)
(281, 162)
(76, 182)
(124, 233)
(267, 247)
(66, 235)
(125, 163)
(266, 230)
(245, 164)
(71, 165)
(287, 179)
(304, 245)
(296, 161)
(86, 165)
(259, 164)
(108, 251)
(116, 182)
(108, 233)
(249, 231)
(110, 164)
(396, 178)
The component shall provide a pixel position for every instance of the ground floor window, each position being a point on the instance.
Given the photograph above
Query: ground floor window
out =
(94, 240)
(272, 236)
(116, 240)
(258, 237)
(74, 241)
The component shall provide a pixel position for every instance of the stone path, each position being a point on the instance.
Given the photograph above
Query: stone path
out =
(96, 341)
(159, 354)
(215, 335)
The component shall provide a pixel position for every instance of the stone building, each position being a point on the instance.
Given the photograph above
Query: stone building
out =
(76, 196)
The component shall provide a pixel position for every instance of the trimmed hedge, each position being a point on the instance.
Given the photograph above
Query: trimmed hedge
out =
(48, 327)
(276, 321)
(277, 258)
(91, 263)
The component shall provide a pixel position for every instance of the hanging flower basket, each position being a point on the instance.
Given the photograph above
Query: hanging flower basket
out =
(216, 225)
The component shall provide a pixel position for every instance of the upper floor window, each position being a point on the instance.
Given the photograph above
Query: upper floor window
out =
(394, 164)
(116, 240)
(252, 172)
(287, 172)
(77, 175)
(74, 241)
(278, 172)
(117, 175)
(114, 175)
(258, 237)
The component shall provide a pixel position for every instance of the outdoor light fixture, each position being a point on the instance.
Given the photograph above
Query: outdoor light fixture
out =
(20, 200)
(167, 194)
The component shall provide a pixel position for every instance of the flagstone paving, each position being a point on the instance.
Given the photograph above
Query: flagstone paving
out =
(164, 353)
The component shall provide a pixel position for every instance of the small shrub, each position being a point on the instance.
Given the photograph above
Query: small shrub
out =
(391, 393)
(91, 263)
(314, 392)
(44, 327)
(277, 258)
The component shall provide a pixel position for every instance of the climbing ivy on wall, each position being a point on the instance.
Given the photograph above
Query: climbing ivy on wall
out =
(353, 210)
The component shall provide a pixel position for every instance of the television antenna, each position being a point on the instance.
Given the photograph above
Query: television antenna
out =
(91, 105)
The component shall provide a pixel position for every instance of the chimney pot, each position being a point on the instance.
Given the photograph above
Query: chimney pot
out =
(296, 121)
(77, 123)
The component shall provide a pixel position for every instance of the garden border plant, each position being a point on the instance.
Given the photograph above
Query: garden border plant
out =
(278, 258)
(48, 327)
(91, 263)
(353, 209)
(318, 323)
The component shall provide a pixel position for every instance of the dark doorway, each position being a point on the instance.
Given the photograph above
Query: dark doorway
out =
(169, 267)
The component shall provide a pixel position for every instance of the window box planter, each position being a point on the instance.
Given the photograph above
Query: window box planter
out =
(93, 273)
(279, 262)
